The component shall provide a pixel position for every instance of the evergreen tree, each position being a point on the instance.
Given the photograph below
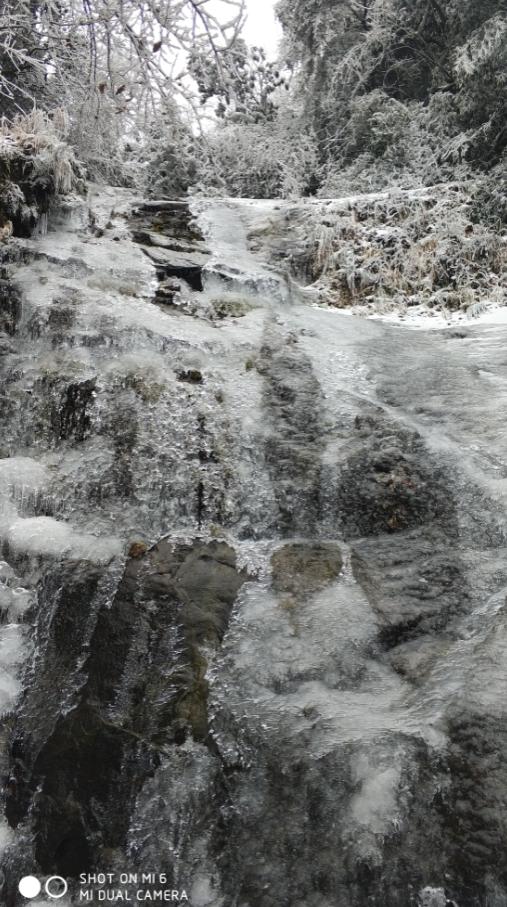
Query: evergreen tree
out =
(370, 67)
(241, 79)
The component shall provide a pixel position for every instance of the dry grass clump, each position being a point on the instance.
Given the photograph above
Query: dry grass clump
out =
(402, 248)
(40, 139)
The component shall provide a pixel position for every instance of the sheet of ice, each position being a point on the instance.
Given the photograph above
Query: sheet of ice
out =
(92, 255)
(12, 645)
(13, 650)
(305, 674)
(23, 471)
(422, 318)
(46, 536)
(374, 806)
(17, 601)
(203, 893)
(226, 224)
(21, 482)
(10, 689)
(7, 835)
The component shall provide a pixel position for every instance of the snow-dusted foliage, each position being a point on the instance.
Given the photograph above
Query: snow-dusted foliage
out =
(41, 141)
(366, 95)
(36, 163)
(112, 66)
(241, 79)
(409, 93)
(165, 163)
(399, 249)
(388, 94)
(273, 160)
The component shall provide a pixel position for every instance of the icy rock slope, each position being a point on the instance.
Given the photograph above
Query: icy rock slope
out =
(254, 577)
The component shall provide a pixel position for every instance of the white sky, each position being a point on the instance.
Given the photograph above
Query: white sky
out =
(262, 28)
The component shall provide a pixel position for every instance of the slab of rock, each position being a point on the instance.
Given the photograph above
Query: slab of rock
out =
(167, 291)
(390, 483)
(415, 582)
(166, 217)
(162, 204)
(162, 241)
(175, 260)
(178, 264)
(143, 690)
(302, 568)
(414, 658)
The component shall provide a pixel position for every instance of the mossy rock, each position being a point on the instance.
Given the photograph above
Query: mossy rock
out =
(138, 549)
(147, 389)
(190, 376)
(303, 568)
(230, 307)
(191, 711)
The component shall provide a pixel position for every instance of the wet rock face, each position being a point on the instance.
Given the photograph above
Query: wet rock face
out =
(72, 419)
(165, 218)
(170, 237)
(142, 691)
(320, 749)
(63, 618)
(25, 194)
(302, 568)
(292, 402)
(417, 586)
(396, 507)
(389, 482)
(473, 805)
(10, 307)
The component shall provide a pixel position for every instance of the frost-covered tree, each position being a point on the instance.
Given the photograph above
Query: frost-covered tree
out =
(241, 79)
(112, 65)
(480, 68)
(168, 154)
(369, 69)
(272, 159)
(23, 56)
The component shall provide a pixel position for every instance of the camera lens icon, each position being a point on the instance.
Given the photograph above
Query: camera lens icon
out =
(55, 887)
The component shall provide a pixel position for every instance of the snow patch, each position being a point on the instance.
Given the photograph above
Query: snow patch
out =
(46, 536)
(375, 805)
(7, 836)
(433, 897)
(23, 472)
(12, 645)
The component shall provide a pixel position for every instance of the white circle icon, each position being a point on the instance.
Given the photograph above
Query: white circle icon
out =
(56, 887)
(29, 887)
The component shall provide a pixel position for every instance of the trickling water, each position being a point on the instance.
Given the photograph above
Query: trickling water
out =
(255, 570)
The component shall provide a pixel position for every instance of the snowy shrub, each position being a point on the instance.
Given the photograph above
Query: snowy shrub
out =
(273, 160)
(36, 163)
(377, 124)
(41, 141)
(401, 248)
(489, 201)
(168, 156)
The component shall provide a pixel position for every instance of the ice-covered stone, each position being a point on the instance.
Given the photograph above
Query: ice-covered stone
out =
(53, 538)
